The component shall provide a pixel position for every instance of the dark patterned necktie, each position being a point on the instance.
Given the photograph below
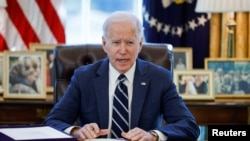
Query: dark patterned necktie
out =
(120, 109)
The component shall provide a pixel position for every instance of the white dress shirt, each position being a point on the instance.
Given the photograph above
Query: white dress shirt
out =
(113, 81)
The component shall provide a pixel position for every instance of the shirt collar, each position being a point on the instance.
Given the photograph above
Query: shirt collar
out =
(114, 74)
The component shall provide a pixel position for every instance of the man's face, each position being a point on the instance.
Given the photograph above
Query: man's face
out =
(122, 45)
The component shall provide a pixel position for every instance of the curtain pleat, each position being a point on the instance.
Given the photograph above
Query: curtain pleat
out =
(241, 35)
(219, 35)
(215, 38)
(248, 35)
(224, 36)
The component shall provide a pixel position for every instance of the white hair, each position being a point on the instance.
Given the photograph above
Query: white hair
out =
(122, 16)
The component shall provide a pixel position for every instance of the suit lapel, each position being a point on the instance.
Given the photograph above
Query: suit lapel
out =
(140, 87)
(102, 96)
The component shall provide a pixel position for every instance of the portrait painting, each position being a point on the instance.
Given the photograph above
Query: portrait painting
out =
(194, 84)
(23, 74)
(231, 77)
(50, 74)
(183, 58)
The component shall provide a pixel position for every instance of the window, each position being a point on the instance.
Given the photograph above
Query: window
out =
(85, 17)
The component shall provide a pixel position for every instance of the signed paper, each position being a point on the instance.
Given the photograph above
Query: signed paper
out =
(25, 133)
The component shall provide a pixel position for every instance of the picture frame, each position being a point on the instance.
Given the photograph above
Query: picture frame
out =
(231, 77)
(183, 58)
(23, 75)
(50, 75)
(1, 72)
(196, 84)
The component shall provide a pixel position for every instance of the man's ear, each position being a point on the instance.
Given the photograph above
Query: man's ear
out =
(104, 44)
(140, 44)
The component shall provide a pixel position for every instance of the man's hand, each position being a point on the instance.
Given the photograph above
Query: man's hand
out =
(138, 134)
(89, 131)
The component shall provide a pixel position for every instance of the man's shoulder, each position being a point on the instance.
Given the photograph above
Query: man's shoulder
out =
(153, 70)
(93, 66)
(151, 65)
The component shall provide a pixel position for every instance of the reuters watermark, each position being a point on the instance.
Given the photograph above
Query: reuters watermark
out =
(241, 132)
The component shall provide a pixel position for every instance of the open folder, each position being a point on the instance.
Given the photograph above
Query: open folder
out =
(33, 133)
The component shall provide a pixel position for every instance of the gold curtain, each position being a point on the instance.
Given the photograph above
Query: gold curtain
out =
(219, 35)
(248, 35)
(215, 38)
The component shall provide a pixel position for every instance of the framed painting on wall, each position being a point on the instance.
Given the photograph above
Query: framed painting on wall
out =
(231, 77)
(183, 58)
(23, 75)
(194, 84)
(50, 75)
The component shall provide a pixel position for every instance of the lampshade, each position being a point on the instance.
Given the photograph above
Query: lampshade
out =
(219, 6)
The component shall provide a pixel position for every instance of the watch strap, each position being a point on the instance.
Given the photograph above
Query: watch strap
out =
(152, 132)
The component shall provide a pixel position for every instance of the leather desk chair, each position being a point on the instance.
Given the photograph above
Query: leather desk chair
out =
(69, 57)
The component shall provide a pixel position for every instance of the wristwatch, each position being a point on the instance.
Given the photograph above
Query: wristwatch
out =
(154, 134)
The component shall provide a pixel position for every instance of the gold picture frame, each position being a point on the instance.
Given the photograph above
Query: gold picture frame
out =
(183, 58)
(1, 72)
(231, 77)
(50, 75)
(23, 75)
(196, 84)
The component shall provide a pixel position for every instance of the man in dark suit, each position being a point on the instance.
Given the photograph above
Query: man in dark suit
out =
(152, 95)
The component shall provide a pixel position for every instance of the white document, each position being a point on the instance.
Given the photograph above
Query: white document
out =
(26, 133)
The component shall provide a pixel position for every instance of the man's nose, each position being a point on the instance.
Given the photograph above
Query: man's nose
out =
(123, 48)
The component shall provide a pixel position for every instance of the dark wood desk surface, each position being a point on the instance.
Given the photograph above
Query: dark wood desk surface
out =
(220, 112)
(34, 111)
(15, 112)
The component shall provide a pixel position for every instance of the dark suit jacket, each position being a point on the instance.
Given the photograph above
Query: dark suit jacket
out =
(87, 98)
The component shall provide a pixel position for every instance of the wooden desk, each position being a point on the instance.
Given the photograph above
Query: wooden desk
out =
(23, 112)
(220, 112)
(34, 112)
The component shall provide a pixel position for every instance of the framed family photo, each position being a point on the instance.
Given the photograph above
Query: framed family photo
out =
(48, 49)
(1, 72)
(231, 77)
(194, 84)
(183, 58)
(23, 75)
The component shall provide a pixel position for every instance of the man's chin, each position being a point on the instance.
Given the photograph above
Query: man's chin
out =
(123, 69)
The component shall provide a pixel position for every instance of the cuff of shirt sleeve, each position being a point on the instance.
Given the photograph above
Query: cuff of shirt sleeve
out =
(162, 137)
(69, 129)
